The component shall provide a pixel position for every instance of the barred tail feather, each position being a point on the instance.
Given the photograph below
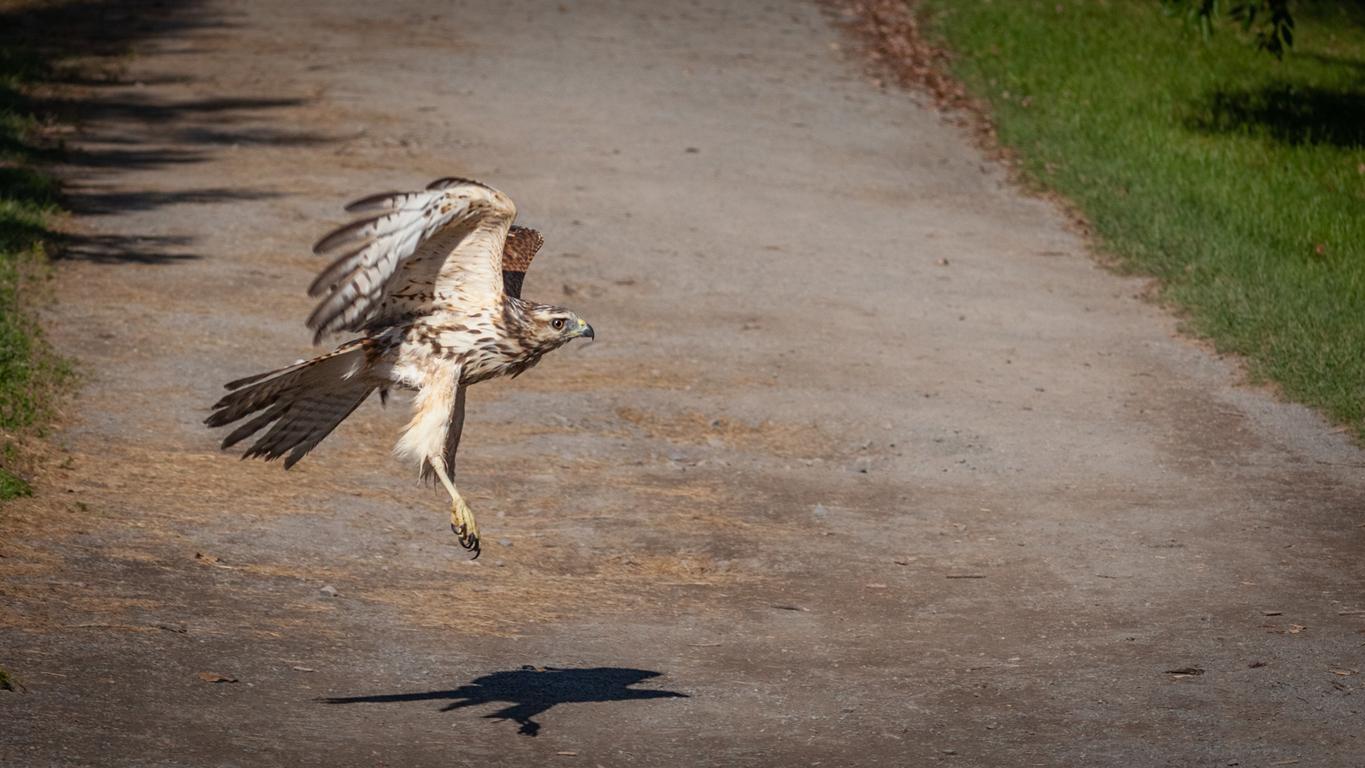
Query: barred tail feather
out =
(305, 402)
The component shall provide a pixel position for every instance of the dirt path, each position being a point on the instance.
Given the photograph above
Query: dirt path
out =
(870, 465)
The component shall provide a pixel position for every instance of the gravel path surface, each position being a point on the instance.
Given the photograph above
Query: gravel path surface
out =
(870, 465)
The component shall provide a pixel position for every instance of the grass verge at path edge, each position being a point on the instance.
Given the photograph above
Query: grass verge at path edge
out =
(1237, 180)
(30, 374)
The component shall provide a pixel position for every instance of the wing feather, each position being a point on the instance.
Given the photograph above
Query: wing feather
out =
(365, 285)
(522, 245)
(340, 270)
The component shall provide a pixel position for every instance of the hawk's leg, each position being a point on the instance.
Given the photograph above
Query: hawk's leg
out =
(461, 516)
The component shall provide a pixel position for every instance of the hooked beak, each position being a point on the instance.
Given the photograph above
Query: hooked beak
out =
(585, 330)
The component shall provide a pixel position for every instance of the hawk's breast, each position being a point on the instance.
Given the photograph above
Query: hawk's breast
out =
(478, 344)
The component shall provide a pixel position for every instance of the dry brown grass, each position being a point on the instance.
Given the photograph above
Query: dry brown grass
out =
(692, 427)
(502, 601)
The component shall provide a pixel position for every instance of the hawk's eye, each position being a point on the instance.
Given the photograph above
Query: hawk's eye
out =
(557, 323)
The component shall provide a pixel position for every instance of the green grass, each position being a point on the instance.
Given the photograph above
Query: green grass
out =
(8, 682)
(1238, 180)
(29, 372)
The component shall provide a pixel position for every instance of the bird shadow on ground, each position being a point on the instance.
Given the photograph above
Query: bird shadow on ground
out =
(531, 691)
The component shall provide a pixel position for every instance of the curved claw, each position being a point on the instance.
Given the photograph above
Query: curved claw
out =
(469, 541)
(463, 526)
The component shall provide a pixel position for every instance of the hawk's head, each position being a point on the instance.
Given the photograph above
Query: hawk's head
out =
(546, 327)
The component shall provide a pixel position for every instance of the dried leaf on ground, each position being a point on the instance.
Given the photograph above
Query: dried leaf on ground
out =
(204, 558)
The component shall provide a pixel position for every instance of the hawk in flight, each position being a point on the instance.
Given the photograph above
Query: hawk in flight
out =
(431, 282)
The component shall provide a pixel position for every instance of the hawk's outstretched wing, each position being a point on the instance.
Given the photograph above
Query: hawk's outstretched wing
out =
(411, 248)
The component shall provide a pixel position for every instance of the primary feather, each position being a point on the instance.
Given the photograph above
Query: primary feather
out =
(455, 227)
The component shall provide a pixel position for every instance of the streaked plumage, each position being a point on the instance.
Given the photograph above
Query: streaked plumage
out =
(431, 280)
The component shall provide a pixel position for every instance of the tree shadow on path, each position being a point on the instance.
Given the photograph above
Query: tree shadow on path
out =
(66, 63)
(532, 691)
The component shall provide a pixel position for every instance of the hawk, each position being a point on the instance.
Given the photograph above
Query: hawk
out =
(431, 282)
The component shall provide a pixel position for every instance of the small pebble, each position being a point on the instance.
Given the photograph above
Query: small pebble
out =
(328, 591)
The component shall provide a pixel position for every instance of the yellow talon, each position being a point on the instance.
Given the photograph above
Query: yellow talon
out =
(463, 525)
